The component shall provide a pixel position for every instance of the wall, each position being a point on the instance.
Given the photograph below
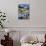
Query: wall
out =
(37, 13)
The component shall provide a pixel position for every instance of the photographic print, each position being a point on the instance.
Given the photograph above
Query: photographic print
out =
(23, 11)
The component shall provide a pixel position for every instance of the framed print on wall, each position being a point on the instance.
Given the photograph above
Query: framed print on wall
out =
(23, 11)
